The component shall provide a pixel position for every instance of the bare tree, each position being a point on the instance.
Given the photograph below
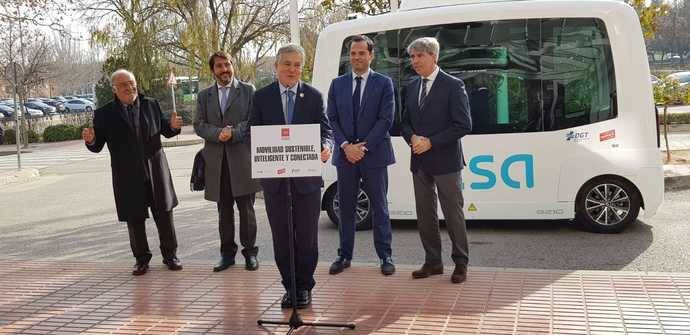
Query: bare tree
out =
(75, 68)
(35, 13)
(368, 7)
(130, 29)
(22, 24)
(317, 16)
(247, 29)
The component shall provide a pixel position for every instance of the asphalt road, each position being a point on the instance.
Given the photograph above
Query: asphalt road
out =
(69, 214)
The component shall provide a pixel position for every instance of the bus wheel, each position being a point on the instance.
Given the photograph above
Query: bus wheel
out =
(606, 205)
(362, 209)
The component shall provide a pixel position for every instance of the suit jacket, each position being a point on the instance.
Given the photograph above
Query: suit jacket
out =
(309, 109)
(209, 120)
(136, 164)
(444, 118)
(375, 118)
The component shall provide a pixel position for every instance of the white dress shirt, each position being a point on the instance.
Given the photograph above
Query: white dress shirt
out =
(227, 92)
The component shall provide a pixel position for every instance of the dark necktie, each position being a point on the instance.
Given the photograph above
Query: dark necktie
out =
(356, 105)
(423, 94)
(130, 116)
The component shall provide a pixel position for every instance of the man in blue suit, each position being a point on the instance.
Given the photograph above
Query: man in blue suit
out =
(361, 107)
(436, 117)
(289, 101)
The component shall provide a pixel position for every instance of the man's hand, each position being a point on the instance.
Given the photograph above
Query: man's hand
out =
(354, 152)
(325, 154)
(420, 144)
(175, 121)
(225, 134)
(414, 140)
(89, 135)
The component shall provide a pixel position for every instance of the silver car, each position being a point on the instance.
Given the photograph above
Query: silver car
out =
(79, 105)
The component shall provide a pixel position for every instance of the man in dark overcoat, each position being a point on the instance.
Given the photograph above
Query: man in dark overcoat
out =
(131, 125)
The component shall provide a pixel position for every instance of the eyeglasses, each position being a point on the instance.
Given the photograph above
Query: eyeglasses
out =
(126, 84)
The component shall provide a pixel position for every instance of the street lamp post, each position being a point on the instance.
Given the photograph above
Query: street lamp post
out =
(13, 71)
(16, 116)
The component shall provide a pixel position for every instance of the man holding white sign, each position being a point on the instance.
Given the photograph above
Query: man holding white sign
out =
(289, 101)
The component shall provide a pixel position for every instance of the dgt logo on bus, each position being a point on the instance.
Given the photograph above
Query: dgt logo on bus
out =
(487, 171)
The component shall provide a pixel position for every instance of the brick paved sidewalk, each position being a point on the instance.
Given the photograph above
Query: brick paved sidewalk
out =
(39, 297)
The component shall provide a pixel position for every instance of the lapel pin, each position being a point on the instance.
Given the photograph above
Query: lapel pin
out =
(301, 95)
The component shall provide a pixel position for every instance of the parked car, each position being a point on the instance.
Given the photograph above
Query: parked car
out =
(7, 111)
(683, 78)
(59, 105)
(89, 97)
(47, 110)
(59, 98)
(671, 56)
(79, 105)
(33, 113)
(654, 79)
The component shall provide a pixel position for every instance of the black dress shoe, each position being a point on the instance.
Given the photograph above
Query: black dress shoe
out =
(251, 263)
(387, 267)
(303, 299)
(224, 263)
(140, 269)
(459, 274)
(339, 265)
(286, 301)
(173, 264)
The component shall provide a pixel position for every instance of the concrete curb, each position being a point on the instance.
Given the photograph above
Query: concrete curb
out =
(182, 142)
(19, 176)
(676, 183)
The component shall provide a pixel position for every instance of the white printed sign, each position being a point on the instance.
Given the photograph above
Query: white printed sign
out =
(284, 151)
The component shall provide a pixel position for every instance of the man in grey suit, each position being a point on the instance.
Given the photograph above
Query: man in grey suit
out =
(437, 115)
(221, 119)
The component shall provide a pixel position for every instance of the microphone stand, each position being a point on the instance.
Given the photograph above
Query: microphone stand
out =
(295, 320)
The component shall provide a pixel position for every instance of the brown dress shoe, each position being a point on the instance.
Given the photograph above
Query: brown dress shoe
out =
(459, 274)
(428, 270)
(140, 269)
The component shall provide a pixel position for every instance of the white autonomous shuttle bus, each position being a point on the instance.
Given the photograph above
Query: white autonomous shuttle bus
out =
(562, 110)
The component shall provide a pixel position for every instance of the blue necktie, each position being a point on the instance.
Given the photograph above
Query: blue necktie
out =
(356, 106)
(290, 105)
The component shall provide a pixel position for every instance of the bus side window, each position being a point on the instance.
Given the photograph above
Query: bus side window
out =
(479, 108)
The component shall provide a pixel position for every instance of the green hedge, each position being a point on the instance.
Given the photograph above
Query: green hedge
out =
(61, 132)
(680, 118)
(10, 137)
(34, 137)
